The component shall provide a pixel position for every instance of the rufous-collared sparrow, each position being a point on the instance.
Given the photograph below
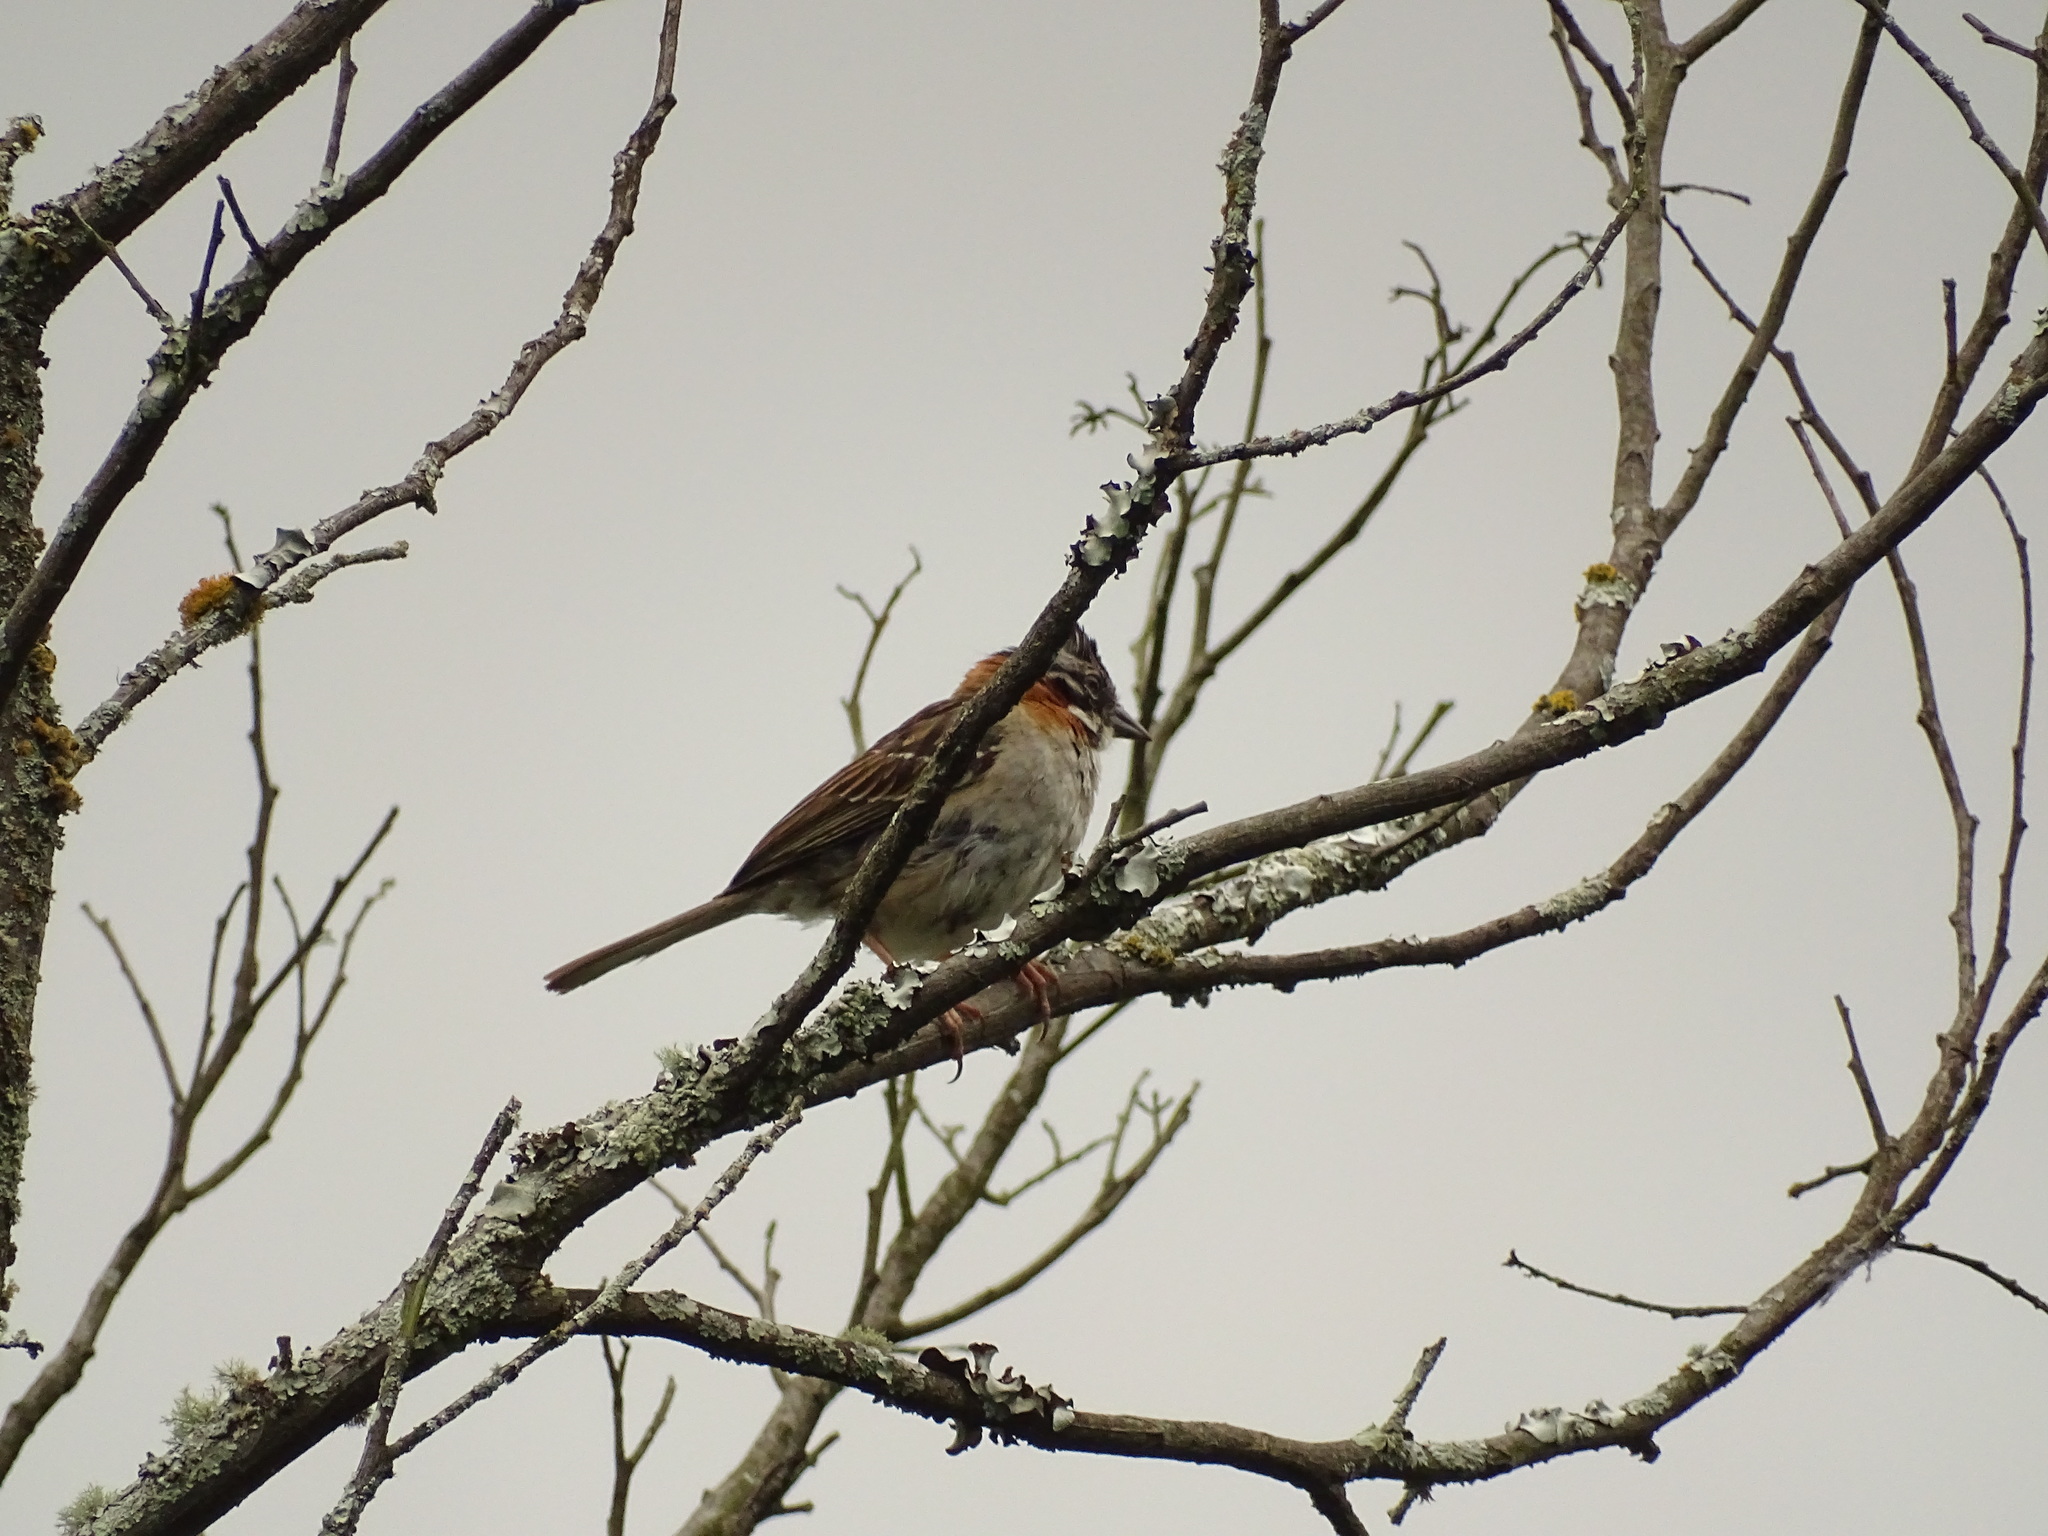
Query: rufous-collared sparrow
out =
(1006, 832)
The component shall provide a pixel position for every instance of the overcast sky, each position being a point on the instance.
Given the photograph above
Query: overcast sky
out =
(881, 253)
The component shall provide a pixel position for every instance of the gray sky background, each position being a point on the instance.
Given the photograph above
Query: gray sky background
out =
(881, 252)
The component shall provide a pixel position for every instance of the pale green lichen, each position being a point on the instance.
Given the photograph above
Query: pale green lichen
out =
(193, 1412)
(1579, 902)
(76, 1518)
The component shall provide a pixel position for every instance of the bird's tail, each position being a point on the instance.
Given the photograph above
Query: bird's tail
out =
(638, 946)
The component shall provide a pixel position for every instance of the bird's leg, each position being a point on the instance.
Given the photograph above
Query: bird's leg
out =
(951, 1023)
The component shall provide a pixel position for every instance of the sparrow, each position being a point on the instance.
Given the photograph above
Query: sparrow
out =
(1007, 831)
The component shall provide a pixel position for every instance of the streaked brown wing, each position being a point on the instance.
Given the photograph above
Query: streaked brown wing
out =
(857, 801)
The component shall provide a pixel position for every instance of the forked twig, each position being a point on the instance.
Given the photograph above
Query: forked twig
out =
(373, 1466)
(878, 621)
(1959, 99)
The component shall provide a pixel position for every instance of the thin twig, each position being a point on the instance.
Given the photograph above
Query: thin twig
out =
(1111, 846)
(1959, 99)
(624, 1462)
(157, 312)
(1980, 1267)
(1879, 1135)
(343, 82)
(1828, 1175)
(1961, 918)
(205, 287)
(1718, 29)
(609, 1293)
(1616, 93)
(1404, 1402)
(1112, 1193)
(2016, 807)
(878, 620)
(373, 1467)
(1827, 489)
(1515, 1262)
(227, 192)
(1582, 98)
(1951, 373)
(1291, 443)
(302, 1044)
(1671, 187)
(186, 359)
(1441, 708)
(1999, 40)
(156, 1034)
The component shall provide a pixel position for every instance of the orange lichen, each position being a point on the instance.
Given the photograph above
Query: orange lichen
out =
(1562, 702)
(1602, 571)
(209, 594)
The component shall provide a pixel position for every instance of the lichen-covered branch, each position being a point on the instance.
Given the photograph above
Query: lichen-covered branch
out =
(191, 351)
(44, 262)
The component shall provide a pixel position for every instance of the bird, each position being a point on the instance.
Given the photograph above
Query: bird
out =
(1007, 831)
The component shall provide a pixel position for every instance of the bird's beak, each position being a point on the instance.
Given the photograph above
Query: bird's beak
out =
(1121, 724)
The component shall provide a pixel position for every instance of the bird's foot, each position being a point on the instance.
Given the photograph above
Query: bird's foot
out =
(1038, 981)
(952, 1027)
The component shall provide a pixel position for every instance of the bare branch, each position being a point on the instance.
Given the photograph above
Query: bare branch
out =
(1671, 187)
(157, 312)
(205, 287)
(343, 81)
(1778, 304)
(1515, 1262)
(878, 620)
(302, 1045)
(1396, 1423)
(1291, 443)
(1582, 98)
(1828, 1175)
(227, 195)
(1998, 40)
(1964, 821)
(1959, 99)
(2016, 807)
(1717, 30)
(1115, 1187)
(1980, 1267)
(187, 358)
(624, 1462)
(1562, 18)
(417, 488)
(373, 1467)
(1879, 1136)
(1334, 1505)
(607, 1295)
(149, 1020)
(190, 137)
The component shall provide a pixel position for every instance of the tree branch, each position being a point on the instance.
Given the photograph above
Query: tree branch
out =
(188, 357)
